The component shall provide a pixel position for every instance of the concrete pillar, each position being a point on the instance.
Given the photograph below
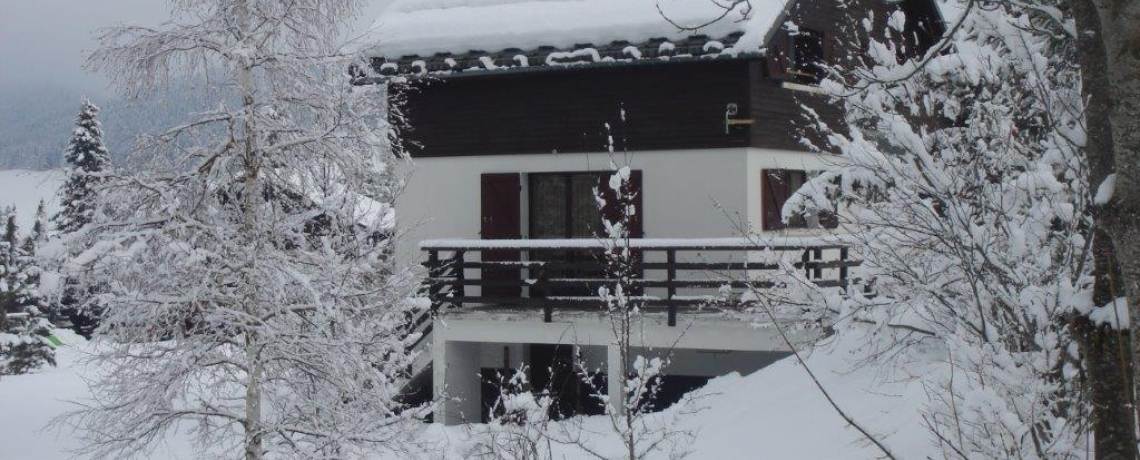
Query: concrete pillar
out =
(615, 376)
(456, 382)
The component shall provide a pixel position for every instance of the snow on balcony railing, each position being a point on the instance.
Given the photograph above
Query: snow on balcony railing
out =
(672, 273)
(756, 242)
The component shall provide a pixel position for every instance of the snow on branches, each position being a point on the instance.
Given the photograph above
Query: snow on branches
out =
(246, 272)
(24, 331)
(85, 159)
(965, 188)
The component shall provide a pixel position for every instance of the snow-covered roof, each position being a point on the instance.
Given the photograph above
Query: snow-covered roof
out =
(565, 29)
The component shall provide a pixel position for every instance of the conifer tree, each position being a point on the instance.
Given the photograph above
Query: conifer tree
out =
(39, 233)
(24, 331)
(85, 159)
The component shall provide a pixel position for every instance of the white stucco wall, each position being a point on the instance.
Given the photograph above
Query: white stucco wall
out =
(682, 190)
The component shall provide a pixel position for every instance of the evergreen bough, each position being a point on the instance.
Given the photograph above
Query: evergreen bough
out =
(24, 332)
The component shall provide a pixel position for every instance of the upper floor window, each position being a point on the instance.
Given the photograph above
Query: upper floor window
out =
(806, 65)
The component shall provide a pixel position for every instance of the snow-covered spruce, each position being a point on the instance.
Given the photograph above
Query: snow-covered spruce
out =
(245, 268)
(86, 164)
(24, 331)
(85, 160)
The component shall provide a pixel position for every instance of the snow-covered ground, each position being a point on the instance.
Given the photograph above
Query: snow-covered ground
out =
(775, 413)
(29, 404)
(24, 190)
(778, 413)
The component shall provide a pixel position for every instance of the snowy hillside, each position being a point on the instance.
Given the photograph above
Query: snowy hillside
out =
(776, 413)
(35, 123)
(25, 189)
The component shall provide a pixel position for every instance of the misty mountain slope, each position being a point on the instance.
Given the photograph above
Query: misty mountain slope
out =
(23, 190)
(35, 124)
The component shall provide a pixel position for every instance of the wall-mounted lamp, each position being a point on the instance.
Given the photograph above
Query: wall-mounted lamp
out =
(731, 111)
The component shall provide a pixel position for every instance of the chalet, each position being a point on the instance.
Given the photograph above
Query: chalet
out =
(509, 110)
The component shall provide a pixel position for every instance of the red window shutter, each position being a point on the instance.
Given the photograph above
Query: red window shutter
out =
(636, 224)
(778, 55)
(774, 192)
(500, 211)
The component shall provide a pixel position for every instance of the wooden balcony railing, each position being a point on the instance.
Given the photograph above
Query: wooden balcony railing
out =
(672, 274)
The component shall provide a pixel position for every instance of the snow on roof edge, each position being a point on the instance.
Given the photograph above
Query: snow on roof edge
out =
(431, 27)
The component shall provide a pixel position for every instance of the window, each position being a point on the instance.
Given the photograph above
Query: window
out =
(777, 185)
(807, 64)
(563, 206)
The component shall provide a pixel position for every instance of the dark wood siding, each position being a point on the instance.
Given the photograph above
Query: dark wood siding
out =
(780, 121)
(667, 106)
(779, 117)
(678, 105)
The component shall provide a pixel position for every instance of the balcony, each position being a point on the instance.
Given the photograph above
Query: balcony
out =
(672, 275)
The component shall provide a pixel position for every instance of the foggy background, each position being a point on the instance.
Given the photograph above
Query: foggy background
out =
(43, 45)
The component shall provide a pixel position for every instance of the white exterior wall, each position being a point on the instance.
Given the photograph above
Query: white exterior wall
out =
(680, 191)
(686, 194)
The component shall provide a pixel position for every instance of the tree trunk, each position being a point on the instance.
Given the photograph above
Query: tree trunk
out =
(253, 434)
(1107, 353)
(1119, 29)
(251, 194)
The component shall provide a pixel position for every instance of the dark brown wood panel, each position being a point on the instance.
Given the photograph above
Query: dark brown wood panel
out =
(778, 112)
(667, 106)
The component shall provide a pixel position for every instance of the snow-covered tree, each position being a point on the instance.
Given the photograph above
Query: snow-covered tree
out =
(966, 195)
(525, 423)
(250, 296)
(39, 233)
(85, 160)
(24, 332)
(86, 163)
(642, 434)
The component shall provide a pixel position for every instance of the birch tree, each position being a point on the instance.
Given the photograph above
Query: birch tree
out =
(250, 298)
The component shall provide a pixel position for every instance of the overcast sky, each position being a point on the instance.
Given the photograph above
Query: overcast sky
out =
(43, 42)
